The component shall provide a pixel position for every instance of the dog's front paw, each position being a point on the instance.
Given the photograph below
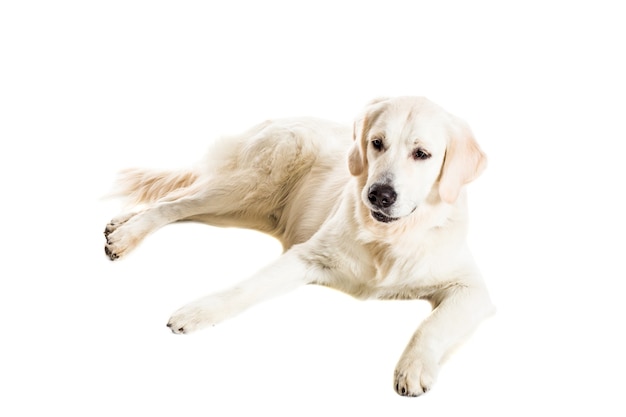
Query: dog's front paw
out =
(193, 317)
(415, 376)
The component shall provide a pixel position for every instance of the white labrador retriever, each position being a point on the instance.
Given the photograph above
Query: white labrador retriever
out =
(388, 224)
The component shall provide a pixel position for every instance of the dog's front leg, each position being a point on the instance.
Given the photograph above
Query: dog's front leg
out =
(287, 273)
(457, 311)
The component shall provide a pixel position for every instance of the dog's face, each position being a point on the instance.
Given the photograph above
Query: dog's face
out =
(407, 151)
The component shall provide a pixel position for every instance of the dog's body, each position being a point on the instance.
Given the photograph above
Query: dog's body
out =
(389, 224)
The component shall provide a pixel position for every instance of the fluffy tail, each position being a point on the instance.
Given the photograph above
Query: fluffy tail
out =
(140, 186)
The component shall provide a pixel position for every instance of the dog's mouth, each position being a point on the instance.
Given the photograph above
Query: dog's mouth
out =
(378, 216)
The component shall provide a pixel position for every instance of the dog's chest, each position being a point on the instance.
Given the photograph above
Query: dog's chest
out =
(402, 267)
(380, 271)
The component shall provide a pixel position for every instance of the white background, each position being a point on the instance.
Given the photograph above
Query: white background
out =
(88, 88)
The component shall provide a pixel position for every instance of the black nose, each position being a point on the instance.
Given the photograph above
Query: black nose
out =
(382, 195)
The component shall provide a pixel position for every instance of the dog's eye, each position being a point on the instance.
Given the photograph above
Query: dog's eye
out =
(377, 144)
(420, 153)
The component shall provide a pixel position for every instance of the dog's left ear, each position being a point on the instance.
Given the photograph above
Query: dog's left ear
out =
(357, 160)
(463, 163)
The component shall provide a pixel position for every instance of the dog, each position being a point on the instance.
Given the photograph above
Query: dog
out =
(377, 211)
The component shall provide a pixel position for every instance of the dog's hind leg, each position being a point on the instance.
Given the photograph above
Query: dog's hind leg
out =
(126, 231)
(245, 181)
(214, 201)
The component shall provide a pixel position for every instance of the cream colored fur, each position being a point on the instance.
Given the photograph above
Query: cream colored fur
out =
(377, 211)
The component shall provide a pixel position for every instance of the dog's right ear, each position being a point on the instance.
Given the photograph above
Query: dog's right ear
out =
(357, 158)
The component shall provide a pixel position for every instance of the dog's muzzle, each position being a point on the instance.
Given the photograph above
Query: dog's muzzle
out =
(381, 197)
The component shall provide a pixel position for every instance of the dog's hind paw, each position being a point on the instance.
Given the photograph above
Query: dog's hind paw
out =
(115, 223)
(108, 252)
(122, 234)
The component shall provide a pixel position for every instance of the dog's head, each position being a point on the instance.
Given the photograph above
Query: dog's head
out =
(408, 151)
